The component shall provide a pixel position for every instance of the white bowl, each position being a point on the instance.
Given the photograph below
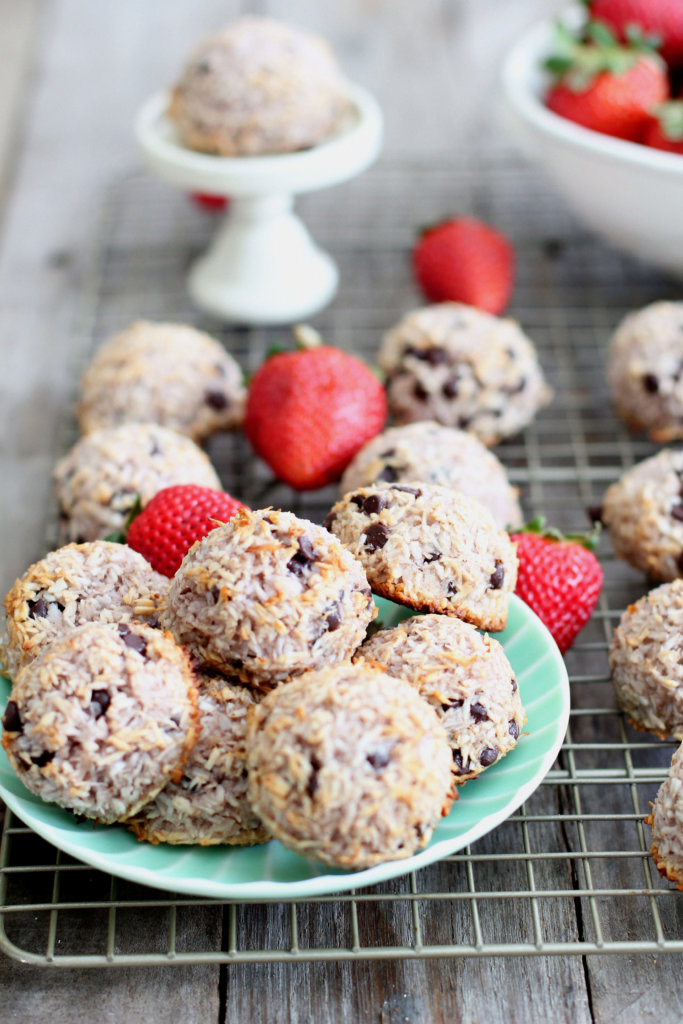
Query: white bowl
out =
(630, 194)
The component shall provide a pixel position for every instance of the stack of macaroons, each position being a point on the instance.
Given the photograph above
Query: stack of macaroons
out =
(251, 718)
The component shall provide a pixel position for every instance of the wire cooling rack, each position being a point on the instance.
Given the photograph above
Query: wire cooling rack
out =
(569, 873)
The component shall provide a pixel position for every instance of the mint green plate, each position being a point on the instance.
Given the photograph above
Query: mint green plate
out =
(271, 872)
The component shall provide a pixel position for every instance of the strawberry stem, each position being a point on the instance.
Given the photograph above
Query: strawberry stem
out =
(306, 336)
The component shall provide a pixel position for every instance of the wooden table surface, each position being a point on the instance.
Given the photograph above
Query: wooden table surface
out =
(77, 73)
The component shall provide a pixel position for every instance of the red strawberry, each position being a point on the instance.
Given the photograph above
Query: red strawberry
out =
(465, 260)
(663, 18)
(309, 411)
(559, 578)
(174, 519)
(209, 202)
(665, 129)
(605, 86)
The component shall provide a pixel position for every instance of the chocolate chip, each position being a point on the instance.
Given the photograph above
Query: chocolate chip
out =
(99, 702)
(313, 784)
(451, 589)
(388, 475)
(42, 759)
(409, 490)
(513, 389)
(553, 248)
(303, 559)
(216, 400)
(513, 683)
(450, 388)
(131, 639)
(460, 768)
(381, 756)
(358, 500)
(334, 618)
(373, 504)
(464, 422)
(513, 729)
(650, 383)
(306, 549)
(215, 594)
(497, 576)
(388, 453)
(488, 756)
(329, 519)
(11, 720)
(38, 609)
(420, 392)
(677, 512)
(434, 356)
(679, 563)
(457, 702)
(376, 536)
(479, 712)
(434, 556)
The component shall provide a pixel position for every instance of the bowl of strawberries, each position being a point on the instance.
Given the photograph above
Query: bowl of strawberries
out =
(596, 99)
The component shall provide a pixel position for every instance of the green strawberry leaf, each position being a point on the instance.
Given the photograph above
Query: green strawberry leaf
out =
(120, 536)
(670, 117)
(537, 525)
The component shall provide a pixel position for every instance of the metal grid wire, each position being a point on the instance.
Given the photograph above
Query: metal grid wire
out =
(570, 871)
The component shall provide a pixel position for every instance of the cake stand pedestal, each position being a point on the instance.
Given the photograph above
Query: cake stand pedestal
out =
(262, 267)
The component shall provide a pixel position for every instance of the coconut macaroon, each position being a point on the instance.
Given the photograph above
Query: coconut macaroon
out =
(643, 512)
(164, 373)
(99, 481)
(102, 718)
(465, 676)
(93, 582)
(666, 820)
(431, 548)
(645, 370)
(267, 596)
(258, 86)
(463, 368)
(645, 661)
(431, 453)
(209, 804)
(348, 766)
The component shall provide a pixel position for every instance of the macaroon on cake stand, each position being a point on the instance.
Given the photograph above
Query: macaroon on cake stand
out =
(262, 266)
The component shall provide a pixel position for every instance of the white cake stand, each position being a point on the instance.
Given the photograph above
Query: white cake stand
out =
(263, 266)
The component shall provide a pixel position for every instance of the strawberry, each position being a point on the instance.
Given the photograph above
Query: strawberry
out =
(174, 519)
(662, 18)
(465, 260)
(309, 411)
(209, 202)
(559, 578)
(605, 86)
(665, 129)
